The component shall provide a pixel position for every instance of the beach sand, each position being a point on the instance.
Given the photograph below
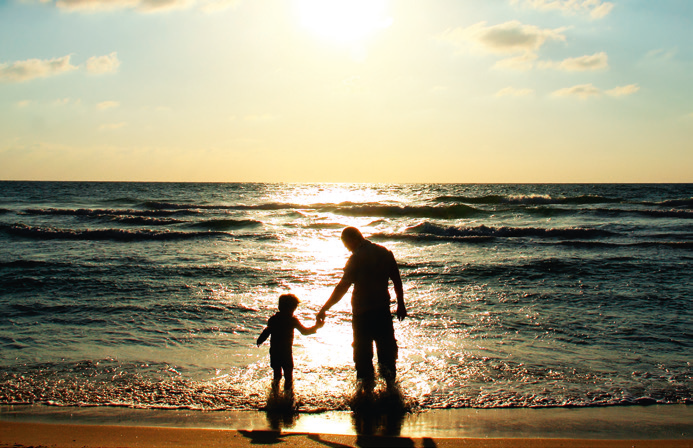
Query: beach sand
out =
(22, 434)
(106, 427)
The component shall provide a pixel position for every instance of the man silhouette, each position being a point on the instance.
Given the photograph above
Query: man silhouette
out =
(369, 269)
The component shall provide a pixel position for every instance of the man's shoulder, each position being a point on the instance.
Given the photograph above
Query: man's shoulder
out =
(379, 250)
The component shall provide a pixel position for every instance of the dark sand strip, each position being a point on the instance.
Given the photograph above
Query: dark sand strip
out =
(22, 434)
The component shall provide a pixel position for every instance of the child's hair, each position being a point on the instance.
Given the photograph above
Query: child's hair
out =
(288, 302)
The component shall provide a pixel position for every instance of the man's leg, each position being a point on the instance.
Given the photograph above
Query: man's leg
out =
(387, 349)
(363, 349)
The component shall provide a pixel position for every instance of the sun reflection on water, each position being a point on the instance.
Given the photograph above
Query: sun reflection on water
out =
(333, 194)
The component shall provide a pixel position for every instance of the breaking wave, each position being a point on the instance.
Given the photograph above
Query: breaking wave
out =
(428, 228)
(51, 233)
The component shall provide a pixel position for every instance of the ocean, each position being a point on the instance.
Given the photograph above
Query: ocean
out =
(152, 295)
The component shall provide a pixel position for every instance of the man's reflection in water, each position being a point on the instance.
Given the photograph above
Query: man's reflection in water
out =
(379, 412)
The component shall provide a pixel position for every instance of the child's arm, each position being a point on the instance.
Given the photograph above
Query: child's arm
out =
(263, 336)
(311, 330)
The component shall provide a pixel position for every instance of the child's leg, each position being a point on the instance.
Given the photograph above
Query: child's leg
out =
(277, 377)
(288, 380)
(289, 375)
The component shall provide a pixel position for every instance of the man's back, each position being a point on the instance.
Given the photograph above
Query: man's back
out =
(369, 268)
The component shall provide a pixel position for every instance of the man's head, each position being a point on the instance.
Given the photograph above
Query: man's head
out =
(352, 238)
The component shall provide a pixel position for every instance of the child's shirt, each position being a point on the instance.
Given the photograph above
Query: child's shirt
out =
(281, 329)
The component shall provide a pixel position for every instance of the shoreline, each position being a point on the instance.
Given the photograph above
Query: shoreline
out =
(653, 422)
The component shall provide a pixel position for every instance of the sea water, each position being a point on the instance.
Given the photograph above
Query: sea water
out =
(152, 295)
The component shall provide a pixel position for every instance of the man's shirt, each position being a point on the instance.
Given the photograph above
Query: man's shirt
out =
(369, 268)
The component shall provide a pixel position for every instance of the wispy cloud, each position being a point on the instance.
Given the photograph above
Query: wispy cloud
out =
(104, 105)
(661, 53)
(623, 90)
(512, 91)
(507, 38)
(110, 5)
(597, 9)
(62, 101)
(26, 70)
(597, 61)
(144, 6)
(103, 64)
(584, 91)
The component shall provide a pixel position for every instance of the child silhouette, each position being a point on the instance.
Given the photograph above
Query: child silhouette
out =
(281, 329)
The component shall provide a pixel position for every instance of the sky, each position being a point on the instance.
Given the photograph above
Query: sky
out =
(434, 91)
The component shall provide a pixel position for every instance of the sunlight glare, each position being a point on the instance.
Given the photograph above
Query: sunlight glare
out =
(344, 21)
(336, 194)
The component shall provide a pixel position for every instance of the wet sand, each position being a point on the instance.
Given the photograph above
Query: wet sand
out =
(90, 427)
(22, 434)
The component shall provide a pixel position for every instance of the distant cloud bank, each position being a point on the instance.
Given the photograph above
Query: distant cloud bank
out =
(509, 38)
(145, 6)
(26, 70)
(584, 91)
(597, 9)
(597, 61)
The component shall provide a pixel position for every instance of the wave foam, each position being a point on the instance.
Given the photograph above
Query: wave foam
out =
(51, 233)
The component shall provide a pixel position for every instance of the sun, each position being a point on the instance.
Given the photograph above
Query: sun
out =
(344, 21)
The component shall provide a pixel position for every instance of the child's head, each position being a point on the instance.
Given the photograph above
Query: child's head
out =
(288, 303)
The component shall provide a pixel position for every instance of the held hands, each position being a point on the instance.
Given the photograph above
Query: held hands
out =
(401, 314)
(320, 318)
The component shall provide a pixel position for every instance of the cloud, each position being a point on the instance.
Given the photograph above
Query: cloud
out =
(511, 91)
(507, 38)
(20, 71)
(103, 64)
(597, 61)
(62, 101)
(623, 90)
(95, 5)
(584, 91)
(145, 6)
(597, 9)
(510, 37)
(110, 5)
(522, 62)
(23, 103)
(26, 70)
(107, 105)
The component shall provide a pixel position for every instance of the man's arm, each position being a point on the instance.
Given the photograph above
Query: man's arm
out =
(339, 291)
(399, 291)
